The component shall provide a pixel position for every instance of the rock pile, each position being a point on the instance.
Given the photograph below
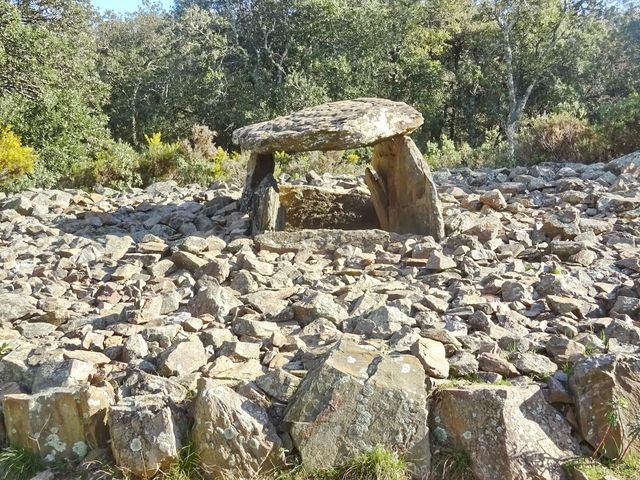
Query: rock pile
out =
(131, 321)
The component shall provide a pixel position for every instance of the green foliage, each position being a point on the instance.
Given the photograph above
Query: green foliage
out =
(377, 464)
(446, 154)
(49, 89)
(17, 463)
(116, 166)
(558, 137)
(15, 158)
(627, 469)
(298, 165)
(619, 123)
(186, 468)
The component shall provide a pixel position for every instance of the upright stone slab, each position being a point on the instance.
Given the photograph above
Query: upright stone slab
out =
(403, 191)
(59, 423)
(507, 432)
(357, 399)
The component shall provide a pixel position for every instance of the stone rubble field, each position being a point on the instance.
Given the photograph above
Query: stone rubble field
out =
(131, 321)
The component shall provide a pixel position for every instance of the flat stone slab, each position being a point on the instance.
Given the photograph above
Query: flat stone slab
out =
(331, 126)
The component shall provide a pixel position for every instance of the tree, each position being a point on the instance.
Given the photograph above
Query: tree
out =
(49, 90)
(531, 34)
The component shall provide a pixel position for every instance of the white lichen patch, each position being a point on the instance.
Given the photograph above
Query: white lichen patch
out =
(136, 444)
(228, 433)
(406, 368)
(165, 443)
(54, 441)
(80, 449)
(351, 360)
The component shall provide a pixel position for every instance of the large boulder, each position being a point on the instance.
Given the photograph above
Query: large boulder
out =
(597, 383)
(331, 126)
(356, 399)
(59, 423)
(232, 435)
(146, 435)
(403, 191)
(510, 433)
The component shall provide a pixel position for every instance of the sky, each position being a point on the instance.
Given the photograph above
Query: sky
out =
(124, 6)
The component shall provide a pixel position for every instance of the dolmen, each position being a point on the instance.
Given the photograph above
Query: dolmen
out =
(402, 189)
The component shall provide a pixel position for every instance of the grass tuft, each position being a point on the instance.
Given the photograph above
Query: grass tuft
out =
(378, 464)
(452, 464)
(186, 468)
(18, 463)
(626, 469)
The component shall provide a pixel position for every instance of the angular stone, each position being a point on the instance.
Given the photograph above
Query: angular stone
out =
(529, 363)
(565, 224)
(494, 199)
(490, 362)
(463, 364)
(327, 240)
(182, 358)
(16, 306)
(254, 328)
(507, 432)
(403, 191)
(337, 410)
(432, 356)
(279, 384)
(331, 126)
(215, 300)
(232, 435)
(317, 304)
(59, 423)
(67, 373)
(382, 322)
(597, 382)
(145, 437)
(438, 261)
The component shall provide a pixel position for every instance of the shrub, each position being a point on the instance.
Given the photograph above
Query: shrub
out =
(445, 153)
(15, 159)
(560, 137)
(116, 166)
(619, 123)
(297, 165)
(194, 160)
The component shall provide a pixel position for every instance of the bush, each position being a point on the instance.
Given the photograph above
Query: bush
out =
(559, 137)
(297, 165)
(116, 166)
(15, 159)
(194, 160)
(445, 154)
(619, 123)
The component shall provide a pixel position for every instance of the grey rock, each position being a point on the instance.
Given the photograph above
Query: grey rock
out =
(332, 415)
(332, 126)
(232, 435)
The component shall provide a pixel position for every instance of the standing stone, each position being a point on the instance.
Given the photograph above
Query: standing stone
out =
(144, 435)
(357, 399)
(232, 435)
(59, 423)
(507, 432)
(403, 191)
(267, 216)
(597, 382)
